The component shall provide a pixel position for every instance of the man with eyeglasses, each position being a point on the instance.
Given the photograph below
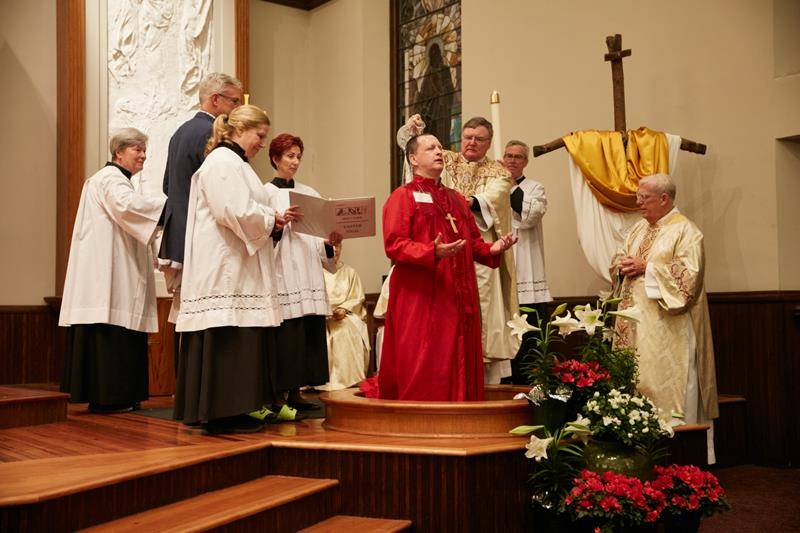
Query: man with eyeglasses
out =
(219, 94)
(486, 186)
(528, 206)
(659, 273)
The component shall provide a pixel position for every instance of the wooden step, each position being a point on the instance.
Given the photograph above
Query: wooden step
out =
(69, 493)
(270, 503)
(731, 431)
(689, 446)
(23, 406)
(358, 524)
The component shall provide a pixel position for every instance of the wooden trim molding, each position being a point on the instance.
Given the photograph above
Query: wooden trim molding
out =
(70, 124)
(306, 5)
(243, 42)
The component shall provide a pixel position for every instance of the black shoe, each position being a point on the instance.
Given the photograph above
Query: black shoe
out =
(303, 406)
(106, 409)
(234, 424)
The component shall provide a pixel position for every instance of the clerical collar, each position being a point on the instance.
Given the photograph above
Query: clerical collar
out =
(663, 220)
(417, 177)
(122, 169)
(282, 183)
(519, 179)
(235, 147)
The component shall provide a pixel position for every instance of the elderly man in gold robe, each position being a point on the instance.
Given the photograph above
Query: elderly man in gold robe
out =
(348, 339)
(660, 270)
(486, 185)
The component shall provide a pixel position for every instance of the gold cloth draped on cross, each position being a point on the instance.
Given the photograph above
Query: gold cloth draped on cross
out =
(612, 172)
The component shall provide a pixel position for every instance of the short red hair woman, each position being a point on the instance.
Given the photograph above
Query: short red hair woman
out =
(299, 260)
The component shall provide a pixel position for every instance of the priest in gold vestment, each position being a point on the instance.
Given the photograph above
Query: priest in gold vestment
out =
(348, 339)
(486, 185)
(659, 270)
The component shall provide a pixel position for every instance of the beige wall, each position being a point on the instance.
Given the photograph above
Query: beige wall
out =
(27, 151)
(324, 75)
(703, 70)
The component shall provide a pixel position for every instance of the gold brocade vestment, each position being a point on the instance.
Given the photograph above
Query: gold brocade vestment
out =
(488, 181)
(673, 335)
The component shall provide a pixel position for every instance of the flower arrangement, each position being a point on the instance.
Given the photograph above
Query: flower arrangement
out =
(593, 429)
(631, 419)
(580, 376)
(614, 501)
(688, 489)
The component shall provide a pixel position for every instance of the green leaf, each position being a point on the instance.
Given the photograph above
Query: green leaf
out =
(524, 430)
(527, 309)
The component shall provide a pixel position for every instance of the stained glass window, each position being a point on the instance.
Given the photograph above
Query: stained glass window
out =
(427, 44)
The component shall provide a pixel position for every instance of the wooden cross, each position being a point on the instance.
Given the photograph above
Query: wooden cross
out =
(615, 55)
(450, 218)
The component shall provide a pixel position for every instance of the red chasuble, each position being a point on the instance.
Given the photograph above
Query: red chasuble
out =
(432, 336)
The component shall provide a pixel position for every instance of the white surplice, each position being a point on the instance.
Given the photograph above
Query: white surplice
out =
(228, 268)
(299, 262)
(529, 251)
(110, 270)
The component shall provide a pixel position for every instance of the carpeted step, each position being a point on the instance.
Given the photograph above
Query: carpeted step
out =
(270, 503)
(358, 524)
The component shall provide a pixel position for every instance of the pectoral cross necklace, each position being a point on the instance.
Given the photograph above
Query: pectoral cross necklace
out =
(450, 218)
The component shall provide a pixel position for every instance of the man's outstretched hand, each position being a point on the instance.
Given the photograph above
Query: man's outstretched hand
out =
(503, 243)
(447, 249)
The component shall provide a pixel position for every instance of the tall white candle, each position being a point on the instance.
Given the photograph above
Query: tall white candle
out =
(497, 139)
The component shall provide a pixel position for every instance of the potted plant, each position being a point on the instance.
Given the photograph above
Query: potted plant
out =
(689, 494)
(614, 502)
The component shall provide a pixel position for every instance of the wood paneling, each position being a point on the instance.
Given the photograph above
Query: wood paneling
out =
(437, 493)
(757, 348)
(161, 353)
(28, 345)
(70, 125)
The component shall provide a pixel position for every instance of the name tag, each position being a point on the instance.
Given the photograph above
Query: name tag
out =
(422, 197)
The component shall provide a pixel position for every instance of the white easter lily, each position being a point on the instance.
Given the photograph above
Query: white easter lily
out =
(566, 324)
(537, 448)
(580, 428)
(519, 325)
(589, 318)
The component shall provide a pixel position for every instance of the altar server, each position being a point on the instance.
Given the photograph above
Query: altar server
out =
(229, 298)
(302, 349)
(109, 302)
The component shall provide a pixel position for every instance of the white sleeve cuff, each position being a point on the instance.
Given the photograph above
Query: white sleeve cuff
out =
(484, 220)
(650, 284)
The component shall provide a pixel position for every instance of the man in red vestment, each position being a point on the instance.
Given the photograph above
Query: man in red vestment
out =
(432, 336)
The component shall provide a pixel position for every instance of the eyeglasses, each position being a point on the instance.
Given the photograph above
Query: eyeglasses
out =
(234, 101)
(475, 138)
(518, 157)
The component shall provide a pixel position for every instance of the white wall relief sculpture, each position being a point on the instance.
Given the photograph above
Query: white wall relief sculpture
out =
(158, 51)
